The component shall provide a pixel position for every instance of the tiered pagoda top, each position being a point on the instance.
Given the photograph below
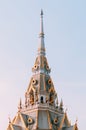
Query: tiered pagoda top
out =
(41, 110)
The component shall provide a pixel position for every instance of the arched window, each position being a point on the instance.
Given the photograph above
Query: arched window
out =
(41, 99)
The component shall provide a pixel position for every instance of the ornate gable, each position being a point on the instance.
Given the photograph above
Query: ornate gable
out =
(19, 120)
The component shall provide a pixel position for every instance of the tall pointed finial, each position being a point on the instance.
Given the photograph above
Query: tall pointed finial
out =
(61, 104)
(9, 119)
(20, 105)
(41, 31)
(41, 12)
(76, 121)
(41, 48)
(76, 128)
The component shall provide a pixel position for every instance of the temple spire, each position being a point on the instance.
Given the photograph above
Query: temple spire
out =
(20, 105)
(9, 119)
(41, 48)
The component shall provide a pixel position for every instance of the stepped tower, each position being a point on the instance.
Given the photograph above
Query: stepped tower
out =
(41, 110)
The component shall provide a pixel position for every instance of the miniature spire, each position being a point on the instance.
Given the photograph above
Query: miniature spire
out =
(26, 99)
(76, 128)
(20, 104)
(76, 120)
(41, 48)
(9, 119)
(61, 104)
(56, 102)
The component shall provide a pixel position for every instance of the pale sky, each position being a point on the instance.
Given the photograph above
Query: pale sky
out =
(65, 41)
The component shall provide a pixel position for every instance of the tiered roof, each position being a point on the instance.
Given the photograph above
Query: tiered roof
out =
(41, 110)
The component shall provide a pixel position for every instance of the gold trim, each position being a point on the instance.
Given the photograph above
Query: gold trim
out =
(31, 87)
(36, 119)
(22, 120)
(11, 126)
(62, 122)
(44, 83)
(50, 125)
(19, 116)
(69, 124)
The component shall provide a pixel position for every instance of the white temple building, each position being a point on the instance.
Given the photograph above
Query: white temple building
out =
(41, 110)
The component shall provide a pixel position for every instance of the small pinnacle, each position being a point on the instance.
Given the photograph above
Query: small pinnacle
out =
(76, 120)
(56, 101)
(20, 104)
(61, 103)
(76, 128)
(9, 120)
